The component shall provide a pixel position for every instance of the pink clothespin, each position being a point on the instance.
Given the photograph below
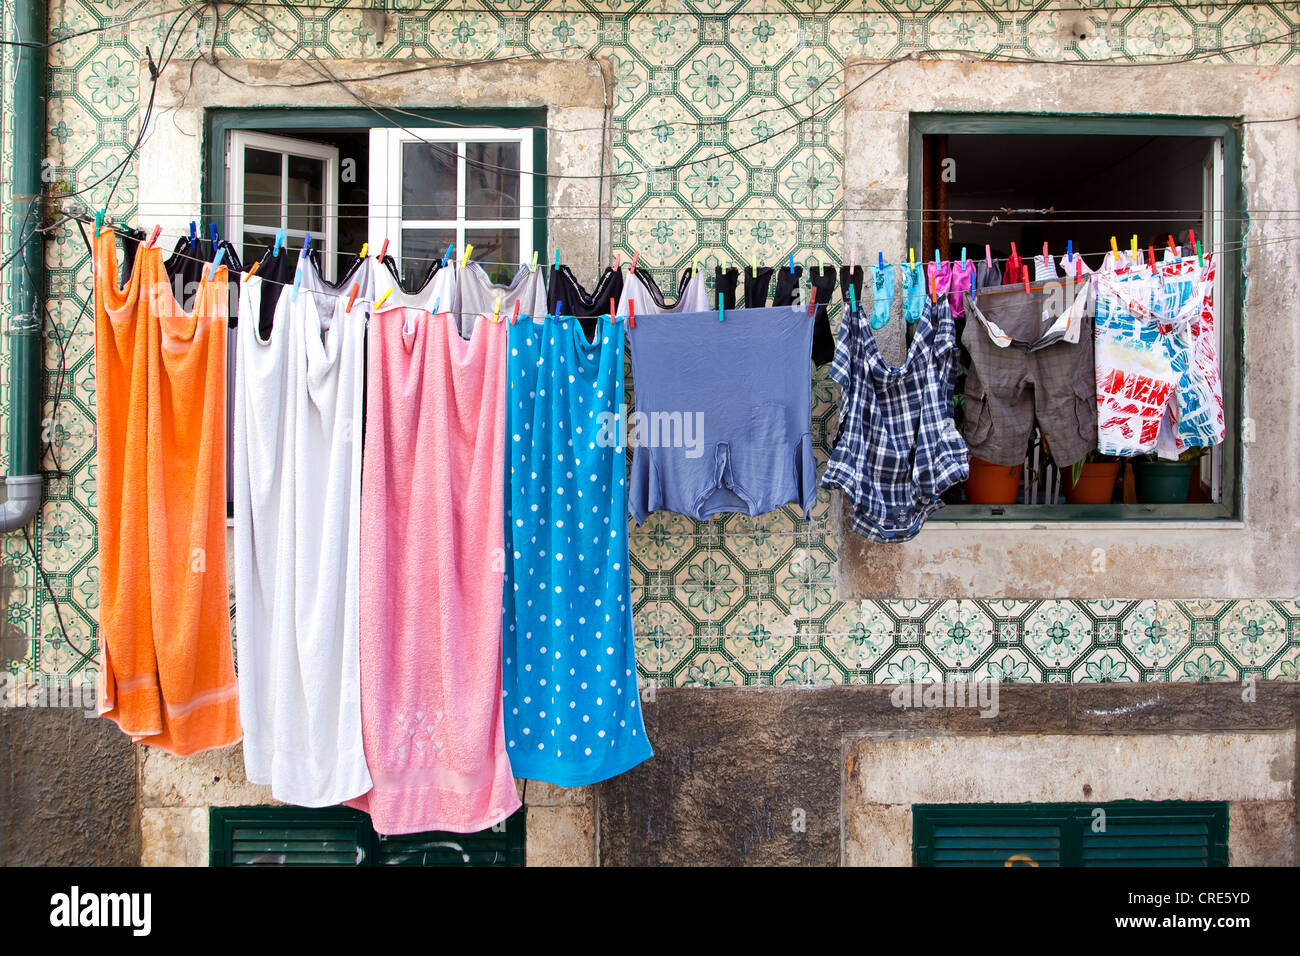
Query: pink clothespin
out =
(611, 311)
(153, 237)
(515, 318)
(988, 256)
(635, 256)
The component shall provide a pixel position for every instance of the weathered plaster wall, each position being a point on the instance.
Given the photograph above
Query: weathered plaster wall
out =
(67, 790)
(826, 776)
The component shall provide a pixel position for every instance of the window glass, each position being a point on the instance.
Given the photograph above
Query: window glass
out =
(262, 172)
(429, 181)
(306, 194)
(491, 181)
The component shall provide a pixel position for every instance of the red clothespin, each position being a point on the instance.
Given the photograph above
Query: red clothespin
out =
(812, 306)
(618, 261)
(1191, 238)
(1015, 256)
(515, 318)
(352, 297)
(153, 236)
(1026, 282)
(383, 249)
(1171, 244)
(611, 311)
(635, 256)
(1078, 267)
(631, 313)
(1151, 256)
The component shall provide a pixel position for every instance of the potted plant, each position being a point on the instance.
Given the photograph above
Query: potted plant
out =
(1160, 481)
(1091, 480)
(990, 484)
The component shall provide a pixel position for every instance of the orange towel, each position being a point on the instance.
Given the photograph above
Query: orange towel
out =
(167, 675)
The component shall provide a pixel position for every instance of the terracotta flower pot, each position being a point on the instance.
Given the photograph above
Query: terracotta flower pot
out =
(991, 484)
(1163, 482)
(1096, 484)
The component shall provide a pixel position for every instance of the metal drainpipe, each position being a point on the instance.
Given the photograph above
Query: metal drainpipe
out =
(26, 297)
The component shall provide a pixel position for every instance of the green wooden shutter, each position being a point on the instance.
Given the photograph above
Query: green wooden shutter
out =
(1134, 834)
(339, 836)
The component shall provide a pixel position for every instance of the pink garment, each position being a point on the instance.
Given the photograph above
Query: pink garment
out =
(963, 280)
(432, 567)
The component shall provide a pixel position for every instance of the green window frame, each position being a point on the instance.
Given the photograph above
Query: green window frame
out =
(219, 122)
(1132, 834)
(340, 836)
(1231, 357)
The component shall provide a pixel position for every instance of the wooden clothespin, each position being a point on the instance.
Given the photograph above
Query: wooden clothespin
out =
(382, 299)
(515, 318)
(352, 297)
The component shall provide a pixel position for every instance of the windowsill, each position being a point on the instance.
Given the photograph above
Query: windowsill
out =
(1018, 524)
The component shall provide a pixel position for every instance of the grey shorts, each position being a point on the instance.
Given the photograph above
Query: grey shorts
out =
(1031, 360)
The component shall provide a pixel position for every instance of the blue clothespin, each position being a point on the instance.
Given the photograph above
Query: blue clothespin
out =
(306, 245)
(216, 262)
(216, 237)
(1069, 251)
(880, 261)
(963, 257)
(447, 255)
(436, 300)
(557, 260)
(719, 306)
(792, 263)
(280, 236)
(194, 235)
(297, 284)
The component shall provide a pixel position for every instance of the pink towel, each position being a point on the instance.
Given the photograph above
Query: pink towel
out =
(432, 504)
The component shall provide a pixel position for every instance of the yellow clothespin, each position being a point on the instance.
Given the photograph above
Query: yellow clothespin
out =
(365, 249)
(1133, 248)
(753, 264)
(911, 257)
(1114, 247)
(383, 298)
(534, 260)
(469, 249)
(496, 310)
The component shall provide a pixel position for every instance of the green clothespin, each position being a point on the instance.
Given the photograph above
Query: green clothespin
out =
(853, 300)
(719, 306)
(1200, 259)
(99, 222)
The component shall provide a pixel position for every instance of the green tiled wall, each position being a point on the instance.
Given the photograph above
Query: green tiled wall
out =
(737, 600)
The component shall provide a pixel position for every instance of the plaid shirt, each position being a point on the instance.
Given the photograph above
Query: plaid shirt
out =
(898, 448)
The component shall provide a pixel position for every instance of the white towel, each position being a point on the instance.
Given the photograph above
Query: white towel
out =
(298, 407)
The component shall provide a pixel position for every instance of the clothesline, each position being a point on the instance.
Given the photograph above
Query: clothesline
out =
(865, 264)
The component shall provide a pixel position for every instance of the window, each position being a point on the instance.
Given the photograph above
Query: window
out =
(280, 183)
(1000, 179)
(340, 176)
(434, 188)
(1129, 834)
(338, 836)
